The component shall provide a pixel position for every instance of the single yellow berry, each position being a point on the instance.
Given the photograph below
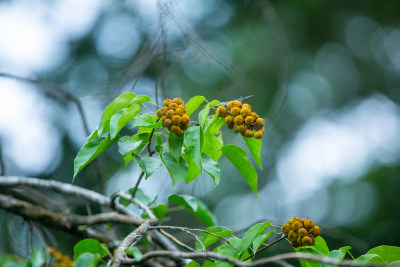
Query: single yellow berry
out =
(296, 226)
(176, 120)
(245, 112)
(176, 130)
(230, 105)
(58, 255)
(249, 120)
(306, 241)
(246, 106)
(316, 231)
(239, 120)
(313, 240)
(286, 228)
(167, 122)
(185, 126)
(297, 219)
(292, 235)
(235, 111)
(302, 232)
(238, 104)
(249, 133)
(173, 106)
(254, 115)
(258, 134)
(182, 106)
(241, 128)
(229, 122)
(235, 128)
(177, 101)
(259, 124)
(185, 119)
(169, 114)
(179, 111)
(308, 224)
(167, 102)
(222, 111)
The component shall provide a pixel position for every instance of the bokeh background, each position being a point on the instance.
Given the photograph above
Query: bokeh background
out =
(324, 74)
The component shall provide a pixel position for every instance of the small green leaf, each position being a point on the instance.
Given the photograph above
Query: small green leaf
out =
(177, 170)
(311, 250)
(203, 114)
(121, 118)
(254, 146)
(37, 258)
(139, 99)
(194, 103)
(90, 151)
(228, 250)
(160, 210)
(119, 103)
(192, 264)
(211, 167)
(321, 246)
(91, 246)
(387, 253)
(369, 258)
(146, 120)
(208, 239)
(147, 164)
(241, 161)
(192, 141)
(126, 144)
(195, 206)
(159, 144)
(252, 233)
(139, 195)
(262, 238)
(140, 136)
(175, 145)
(213, 145)
(193, 170)
(87, 260)
(135, 252)
(337, 255)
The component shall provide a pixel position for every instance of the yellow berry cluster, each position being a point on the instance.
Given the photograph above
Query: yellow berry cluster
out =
(301, 232)
(173, 116)
(242, 119)
(61, 259)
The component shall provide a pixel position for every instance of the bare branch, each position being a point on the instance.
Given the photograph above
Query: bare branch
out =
(263, 248)
(173, 238)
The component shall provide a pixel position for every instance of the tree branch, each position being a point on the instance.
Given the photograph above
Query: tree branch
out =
(263, 248)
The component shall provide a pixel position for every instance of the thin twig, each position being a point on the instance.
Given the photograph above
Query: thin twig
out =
(237, 99)
(263, 248)
(176, 240)
(2, 170)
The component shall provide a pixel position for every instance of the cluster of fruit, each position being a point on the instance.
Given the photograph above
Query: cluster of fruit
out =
(173, 116)
(61, 259)
(301, 232)
(242, 119)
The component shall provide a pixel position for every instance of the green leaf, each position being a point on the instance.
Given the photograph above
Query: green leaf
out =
(194, 103)
(321, 246)
(37, 258)
(175, 145)
(228, 250)
(213, 145)
(252, 233)
(146, 120)
(192, 264)
(126, 144)
(160, 210)
(203, 114)
(87, 260)
(135, 252)
(121, 118)
(177, 170)
(143, 137)
(394, 264)
(91, 246)
(119, 103)
(241, 161)
(311, 250)
(90, 151)
(387, 253)
(254, 146)
(159, 144)
(211, 167)
(195, 206)
(208, 239)
(337, 255)
(369, 258)
(193, 142)
(262, 238)
(139, 195)
(193, 170)
(147, 164)
(139, 99)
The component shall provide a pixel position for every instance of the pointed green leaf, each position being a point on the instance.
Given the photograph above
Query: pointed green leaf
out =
(147, 164)
(369, 258)
(160, 210)
(208, 239)
(387, 253)
(177, 170)
(192, 141)
(146, 120)
(262, 238)
(139, 99)
(311, 250)
(193, 170)
(211, 167)
(175, 145)
(337, 255)
(321, 245)
(203, 114)
(241, 161)
(91, 246)
(252, 233)
(195, 206)
(228, 250)
(194, 103)
(90, 151)
(159, 144)
(87, 260)
(121, 118)
(140, 136)
(254, 146)
(119, 103)
(134, 252)
(213, 145)
(139, 195)
(126, 144)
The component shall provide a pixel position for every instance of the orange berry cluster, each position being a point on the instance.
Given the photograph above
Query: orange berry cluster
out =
(173, 116)
(242, 119)
(301, 232)
(61, 259)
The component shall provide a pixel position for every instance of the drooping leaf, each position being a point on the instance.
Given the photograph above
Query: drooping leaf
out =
(254, 146)
(338, 254)
(139, 99)
(126, 144)
(193, 170)
(387, 253)
(195, 206)
(228, 250)
(321, 245)
(160, 210)
(90, 151)
(194, 103)
(146, 120)
(369, 258)
(262, 238)
(253, 233)
(177, 170)
(213, 145)
(203, 114)
(134, 252)
(211, 167)
(117, 104)
(241, 161)
(175, 145)
(121, 118)
(193, 142)
(311, 250)
(90, 245)
(87, 260)
(147, 164)
(208, 239)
